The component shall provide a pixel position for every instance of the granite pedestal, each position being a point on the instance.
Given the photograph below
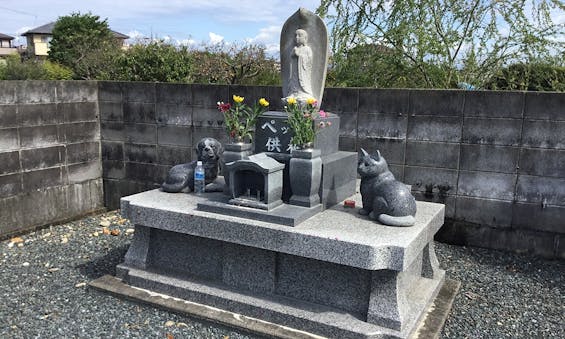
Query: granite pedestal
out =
(339, 169)
(337, 274)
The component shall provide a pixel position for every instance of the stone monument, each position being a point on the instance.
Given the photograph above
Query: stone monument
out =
(304, 60)
(336, 273)
(304, 56)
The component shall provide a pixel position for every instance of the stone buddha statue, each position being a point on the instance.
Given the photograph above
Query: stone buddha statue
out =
(299, 83)
(304, 55)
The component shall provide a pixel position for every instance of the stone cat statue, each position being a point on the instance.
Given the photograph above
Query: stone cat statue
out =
(384, 198)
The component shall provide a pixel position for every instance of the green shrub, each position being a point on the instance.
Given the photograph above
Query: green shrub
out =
(156, 61)
(17, 69)
(538, 76)
(55, 71)
(3, 64)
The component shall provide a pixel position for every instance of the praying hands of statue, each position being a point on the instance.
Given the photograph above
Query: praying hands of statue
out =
(298, 51)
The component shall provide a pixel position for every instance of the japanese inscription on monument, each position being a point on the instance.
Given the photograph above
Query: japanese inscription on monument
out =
(273, 134)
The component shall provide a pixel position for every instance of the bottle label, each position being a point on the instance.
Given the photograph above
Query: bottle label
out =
(199, 176)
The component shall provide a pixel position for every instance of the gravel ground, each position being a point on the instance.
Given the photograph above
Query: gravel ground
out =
(43, 278)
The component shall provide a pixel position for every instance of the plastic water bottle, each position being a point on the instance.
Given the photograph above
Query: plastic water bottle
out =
(199, 178)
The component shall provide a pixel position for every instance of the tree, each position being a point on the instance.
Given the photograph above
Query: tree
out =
(83, 43)
(446, 41)
(371, 66)
(155, 61)
(246, 64)
(533, 76)
(234, 64)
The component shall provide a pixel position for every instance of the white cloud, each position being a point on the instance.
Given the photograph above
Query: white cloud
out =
(215, 38)
(268, 37)
(272, 50)
(135, 35)
(268, 34)
(22, 30)
(186, 42)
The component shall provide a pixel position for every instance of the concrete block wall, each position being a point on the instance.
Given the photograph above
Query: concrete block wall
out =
(49, 153)
(496, 159)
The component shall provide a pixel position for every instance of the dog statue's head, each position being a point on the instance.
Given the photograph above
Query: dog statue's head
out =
(209, 149)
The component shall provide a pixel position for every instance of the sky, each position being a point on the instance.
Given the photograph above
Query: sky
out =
(188, 22)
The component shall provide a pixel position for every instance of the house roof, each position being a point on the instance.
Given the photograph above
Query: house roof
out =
(6, 37)
(48, 29)
(119, 35)
(45, 29)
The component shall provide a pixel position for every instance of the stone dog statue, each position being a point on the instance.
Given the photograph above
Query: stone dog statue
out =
(180, 176)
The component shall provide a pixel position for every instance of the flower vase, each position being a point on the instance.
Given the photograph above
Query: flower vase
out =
(233, 152)
(305, 171)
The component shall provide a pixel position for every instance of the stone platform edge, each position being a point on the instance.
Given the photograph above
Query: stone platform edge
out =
(429, 325)
(384, 247)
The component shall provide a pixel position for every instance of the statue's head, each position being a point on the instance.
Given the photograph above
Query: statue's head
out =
(301, 37)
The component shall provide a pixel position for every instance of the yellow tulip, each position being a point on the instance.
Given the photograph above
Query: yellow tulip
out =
(311, 101)
(291, 101)
(263, 102)
(237, 98)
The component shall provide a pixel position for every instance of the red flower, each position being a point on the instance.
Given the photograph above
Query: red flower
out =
(224, 107)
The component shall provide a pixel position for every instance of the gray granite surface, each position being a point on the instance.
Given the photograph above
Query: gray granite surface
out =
(305, 172)
(337, 274)
(283, 214)
(215, 272)
(306, 316)
(339, 235)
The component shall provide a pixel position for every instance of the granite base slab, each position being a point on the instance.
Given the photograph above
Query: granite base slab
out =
(430, 325)
(300, 315)
(333, 270)
(285, 214)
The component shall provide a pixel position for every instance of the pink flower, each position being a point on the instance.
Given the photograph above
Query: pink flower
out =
(323, 114)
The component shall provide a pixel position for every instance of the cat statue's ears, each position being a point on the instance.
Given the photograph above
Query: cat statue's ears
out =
(365, 154)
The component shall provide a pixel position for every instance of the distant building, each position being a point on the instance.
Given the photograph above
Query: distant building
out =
(6, 47)
(39, 38)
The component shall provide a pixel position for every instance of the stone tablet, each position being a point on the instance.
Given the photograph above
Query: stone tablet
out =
(304, 56)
